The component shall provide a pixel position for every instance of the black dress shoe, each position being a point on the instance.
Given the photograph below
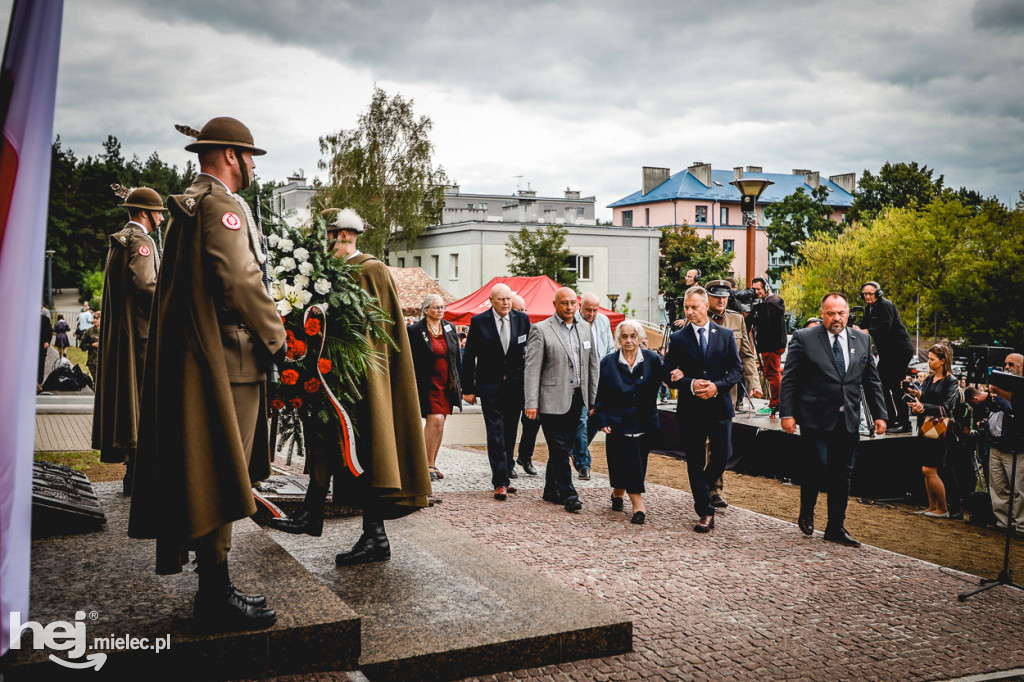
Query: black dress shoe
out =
(249, 599)
(370, 547)
(512, 473)
(843, 538)
(899, 428)
(617, 503)
(301, 522)
(806, 524)
(553, 498)
(527, 467)
(228, 612)
(573, 504)
(585, 474)
(638, 518)
(719, 502)
(705, 524)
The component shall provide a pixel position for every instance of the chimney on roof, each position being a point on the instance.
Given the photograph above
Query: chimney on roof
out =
(812, 178)
(571, 193)
(701, 171)
(653, 177)
(846, 181)
(451, 189)
(527, 193)
(754, 169)
(737, 173)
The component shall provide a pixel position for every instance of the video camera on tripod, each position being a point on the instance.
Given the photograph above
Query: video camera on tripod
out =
(743, 300)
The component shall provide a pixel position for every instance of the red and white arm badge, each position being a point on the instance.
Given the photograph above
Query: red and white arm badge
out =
(231, 221)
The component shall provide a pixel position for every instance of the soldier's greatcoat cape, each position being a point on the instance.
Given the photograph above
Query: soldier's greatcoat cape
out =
(190, 470)
(128, 285)
(392, 450)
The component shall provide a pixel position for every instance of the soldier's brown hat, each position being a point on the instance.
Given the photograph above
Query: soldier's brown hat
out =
(224, 131)
(343, 219)
(718, 287)
(144, 198)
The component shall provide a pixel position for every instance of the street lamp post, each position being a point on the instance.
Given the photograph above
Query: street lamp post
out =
(750, 189)
(49, 278)
(613, 298)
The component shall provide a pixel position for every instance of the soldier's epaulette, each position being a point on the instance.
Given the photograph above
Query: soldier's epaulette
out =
(186, 204)
(122, 236)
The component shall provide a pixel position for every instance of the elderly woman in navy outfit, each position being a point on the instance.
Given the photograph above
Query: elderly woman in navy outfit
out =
(627, 411)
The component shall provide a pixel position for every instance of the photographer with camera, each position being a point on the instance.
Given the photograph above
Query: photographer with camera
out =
(895, 349)
(769, 323)
(1004, 439)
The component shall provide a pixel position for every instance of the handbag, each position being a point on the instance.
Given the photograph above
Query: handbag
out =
(935, 427)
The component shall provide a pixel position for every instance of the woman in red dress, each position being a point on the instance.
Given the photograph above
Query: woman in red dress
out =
(435, 354)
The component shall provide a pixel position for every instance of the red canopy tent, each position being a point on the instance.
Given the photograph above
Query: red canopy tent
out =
(538, 292)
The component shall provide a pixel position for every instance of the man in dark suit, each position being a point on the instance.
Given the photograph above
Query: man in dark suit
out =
(826, 367)
(492, 367)
(703, 364)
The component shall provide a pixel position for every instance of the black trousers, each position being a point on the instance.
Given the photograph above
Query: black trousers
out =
(502, 411)
(528, 441)
(705, 468)
(559, 432)
(829, 460)
(892, 369)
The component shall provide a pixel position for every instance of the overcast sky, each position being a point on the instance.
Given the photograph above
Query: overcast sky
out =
(565, 94)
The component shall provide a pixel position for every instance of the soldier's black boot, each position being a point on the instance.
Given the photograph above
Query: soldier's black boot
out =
(126, 482)
(309, 519)
(371, 546)
(219, 605)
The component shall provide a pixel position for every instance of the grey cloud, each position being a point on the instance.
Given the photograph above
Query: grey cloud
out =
(1000, 16)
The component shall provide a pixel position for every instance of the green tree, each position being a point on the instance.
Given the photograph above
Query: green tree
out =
(899, 185)
(540, 252)
(682, 249)
(384, 170)
(796, 218)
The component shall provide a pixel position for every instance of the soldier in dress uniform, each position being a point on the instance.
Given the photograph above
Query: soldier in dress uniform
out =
(90, 341)
(204, 437)
(129, 280)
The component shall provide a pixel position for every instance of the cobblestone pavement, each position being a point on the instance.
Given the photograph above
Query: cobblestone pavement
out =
(753, 599)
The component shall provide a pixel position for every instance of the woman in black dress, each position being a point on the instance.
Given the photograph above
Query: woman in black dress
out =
(435, 354)
(61, 329)
(938, 397)
(626, 409)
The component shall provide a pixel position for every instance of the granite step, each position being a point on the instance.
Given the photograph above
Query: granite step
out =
(110, 578)
(447, 606)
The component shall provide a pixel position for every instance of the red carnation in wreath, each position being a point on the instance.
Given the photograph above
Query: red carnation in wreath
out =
(295, 402)
(324, 366)
(312, 386)
(289, 377)
(312, 326)
(277, 404)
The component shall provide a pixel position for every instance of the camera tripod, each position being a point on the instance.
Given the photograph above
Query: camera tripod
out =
(1005, 576)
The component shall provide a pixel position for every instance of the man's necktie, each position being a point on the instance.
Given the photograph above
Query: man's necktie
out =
(703, 342)
(503, 333)
(837, 350)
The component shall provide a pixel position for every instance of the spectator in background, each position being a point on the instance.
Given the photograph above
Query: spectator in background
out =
(938, 397)
(90, 341)
(84, 323)
(692, 277)
(626, 410)
(528, 441)
(45, 336)
(812, 322)
(770, 339)
(435, 355)
(61, 329)
(895, 350)
(602, 329)
(1004, 441)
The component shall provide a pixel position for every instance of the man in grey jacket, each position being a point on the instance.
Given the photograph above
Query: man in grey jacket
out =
(560, 381)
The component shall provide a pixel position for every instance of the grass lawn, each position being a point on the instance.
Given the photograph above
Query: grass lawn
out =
(88, 462)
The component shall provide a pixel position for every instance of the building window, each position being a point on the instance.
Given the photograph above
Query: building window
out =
(582, 265)
(417, 262)
(647, 217)
(627, 219)
(580, 213)
(700, 214)
(455, 266)
(725, 216)
(729, 245)
(436, 262)
(401, 262)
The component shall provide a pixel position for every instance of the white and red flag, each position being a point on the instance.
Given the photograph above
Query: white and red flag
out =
(28, 85)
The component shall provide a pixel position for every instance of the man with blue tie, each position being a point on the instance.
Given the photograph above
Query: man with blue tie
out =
(492, 367)
(703, 364)
(826, 368)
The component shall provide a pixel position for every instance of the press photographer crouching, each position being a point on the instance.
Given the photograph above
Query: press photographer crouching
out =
(1005, 439)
